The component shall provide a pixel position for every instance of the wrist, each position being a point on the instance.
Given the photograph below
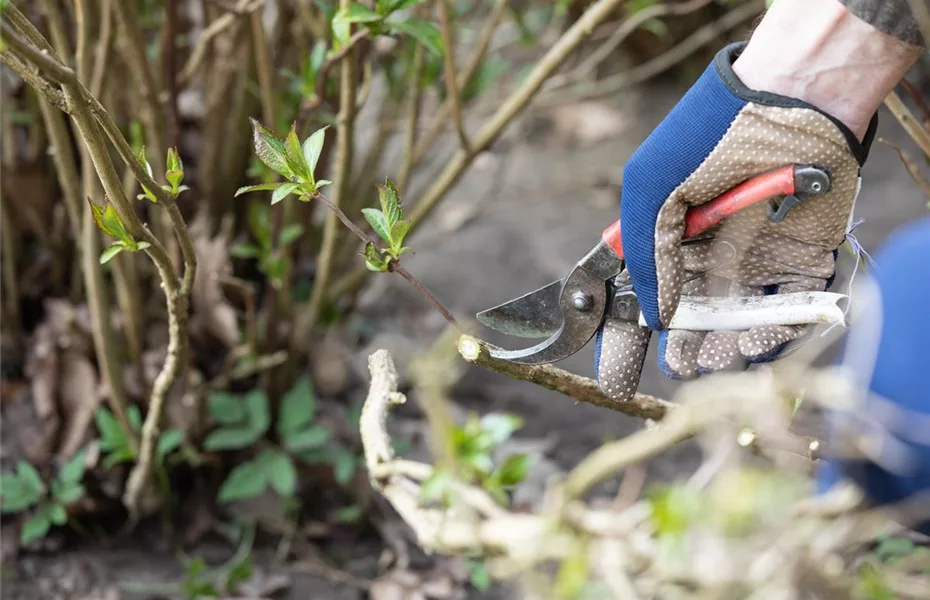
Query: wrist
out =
(818, 52)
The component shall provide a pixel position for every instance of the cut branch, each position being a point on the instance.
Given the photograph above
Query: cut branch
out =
(580, 389)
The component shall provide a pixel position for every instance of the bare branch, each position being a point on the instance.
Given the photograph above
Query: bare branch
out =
(580, 389)
(452, 89)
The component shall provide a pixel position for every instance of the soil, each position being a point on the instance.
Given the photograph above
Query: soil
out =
(543, 195)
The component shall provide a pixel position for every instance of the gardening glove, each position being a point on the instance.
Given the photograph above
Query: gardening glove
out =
(886, 353)
(718, 135)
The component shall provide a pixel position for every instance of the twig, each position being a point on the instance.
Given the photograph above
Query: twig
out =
(259, 365)
(42, 86)
(8, 243)
(342, 175)
(396, 268)
(103, 47)
(511, 107)
(621, 33)
(910, 165)
(580, 389)
(169, 72)
(652, 67)
(481, 48)
(50, 65)
(151, 113)
(319, 92)
(450, 73)
(215, 28)
(918, 99)
(909, 122)
(415, 96)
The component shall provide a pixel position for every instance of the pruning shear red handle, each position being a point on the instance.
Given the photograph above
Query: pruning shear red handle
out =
(582, 301)
(793, 182)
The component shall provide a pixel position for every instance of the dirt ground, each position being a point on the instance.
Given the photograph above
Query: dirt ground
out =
(519, 219)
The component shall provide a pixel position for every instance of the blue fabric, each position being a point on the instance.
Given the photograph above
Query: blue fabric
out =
(902, 274)
(674, 150)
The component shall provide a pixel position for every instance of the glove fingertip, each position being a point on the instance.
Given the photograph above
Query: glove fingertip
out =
(677, 360)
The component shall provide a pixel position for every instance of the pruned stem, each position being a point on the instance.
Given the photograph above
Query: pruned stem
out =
(580, 389)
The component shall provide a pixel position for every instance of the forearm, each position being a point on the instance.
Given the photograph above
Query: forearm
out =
(819, 52)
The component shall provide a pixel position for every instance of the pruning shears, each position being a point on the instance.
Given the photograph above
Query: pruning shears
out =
(568, 312)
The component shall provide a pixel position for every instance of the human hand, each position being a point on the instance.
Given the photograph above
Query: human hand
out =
(719, 135)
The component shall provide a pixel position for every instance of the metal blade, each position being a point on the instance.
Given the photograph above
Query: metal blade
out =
(533, 315)
(578, 325)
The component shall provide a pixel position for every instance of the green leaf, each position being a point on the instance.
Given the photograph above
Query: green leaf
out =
(175, 170)
(344, 467)
(402, 4)
(261, 187)
(73, 470)
(313, 147)
(290, 234)
(297, 408)
(356, 13)
(29, 478)
(390, 204)
(436, 485)
(378, 223)
(145, 162)
(134, 416)
(573, 575)
(373, 259)
(35, 528)
(111, 430)
(499, 427)
(281, 473)
(225, 408)
(423, 31)
(57, 514)
(514, 470)
(270, 150)
(674, 509)
(283, 191)
(398, 233)
(295, 155)
(119, 455)
(231, 438)
(480, 578)
(245, 251)
(307, 439)
(69, 493)
(17, 496)
(173, 162)
(167, 442)
(349, 514)
(256, 408)
(244, 481)
(97, 212)
(110, 252)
